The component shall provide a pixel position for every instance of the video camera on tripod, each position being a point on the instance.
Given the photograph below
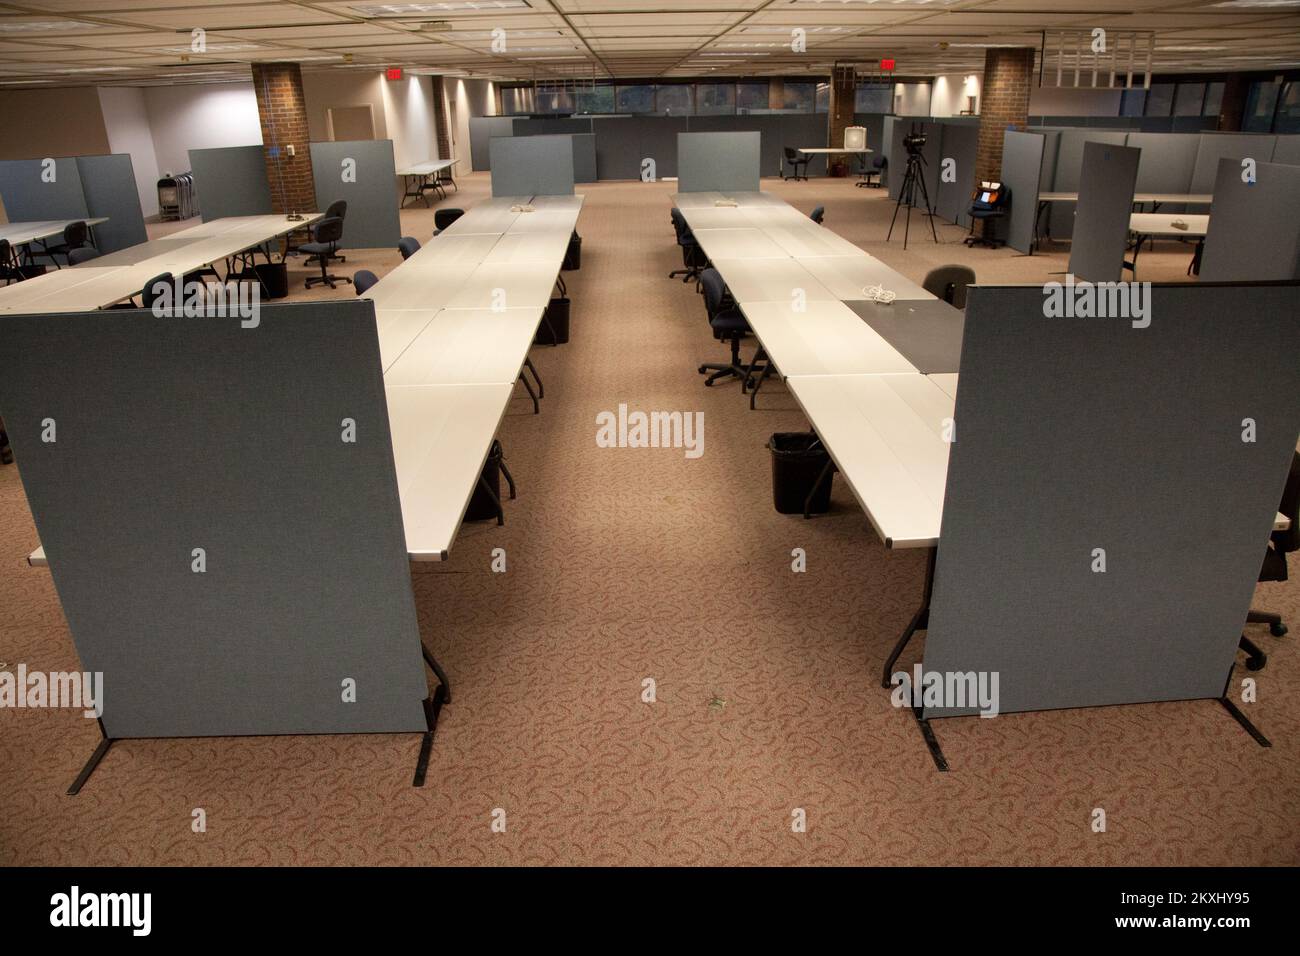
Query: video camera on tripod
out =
(914, 142)
(913, 186)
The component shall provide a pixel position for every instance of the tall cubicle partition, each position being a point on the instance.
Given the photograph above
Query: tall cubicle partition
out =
(1105, 203)
(532, 166)
(231, 181)
(269, 595)
(362, 172)
(1253, 234)
(81, 187)
(1022, 173)
(1104, 520)
(718, 162)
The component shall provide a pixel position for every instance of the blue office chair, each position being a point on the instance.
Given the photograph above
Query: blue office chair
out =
(408, 246)
(949, 284)
(9, 270)
(990, 203)
(798, 164)
(82, 254)
(152, 289)
(728, 324)
(876, 169)
(325, 237)
(693, 257)
(818, 215)
(75, 234)
(363, 280)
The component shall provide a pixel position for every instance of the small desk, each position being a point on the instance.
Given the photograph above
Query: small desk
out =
(1148, 225)
(418, 182)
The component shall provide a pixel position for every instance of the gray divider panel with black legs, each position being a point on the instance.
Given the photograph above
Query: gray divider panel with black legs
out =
(1254, 232)
(718, 162)
(363, 173)
(952, 200)
(231, 181)
(532, 165)
(1022, 166)
(81, 187)
(143, 439)
(34, 190)
(1069, 171)
(108, 183)
(1105, 204)
(1115, 444)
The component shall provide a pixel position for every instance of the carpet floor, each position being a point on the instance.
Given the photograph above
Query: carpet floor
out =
(631, 564)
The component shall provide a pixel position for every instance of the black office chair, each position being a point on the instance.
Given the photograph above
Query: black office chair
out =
(796, 163)
(693, 257)
(9, 270)
(990, 203)
(818, 215)
(949, 283)
(153, 289)
(442, 218)
(408, 246)
(728, 324)
(876, 169)
(75, 234)
(1280, 544)
(325, 237)
(337, 209)
(82, 254)
(363, 280)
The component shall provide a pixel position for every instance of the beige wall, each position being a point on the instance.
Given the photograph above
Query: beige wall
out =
(343, 88)
(62, 122)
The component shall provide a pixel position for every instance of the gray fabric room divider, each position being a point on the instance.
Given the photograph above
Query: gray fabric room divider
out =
(1105, 203)
(1168, 162)
(532, 166)
(623, 143)
(1069, 168)
(1254, 229)
(1237, 146)
(482, 130)
(29, 198)
(372, 221)
(231, 181)
(1287, 150)
(110, 190)
(585, 169)
(1022, 167)
(958, 143)
(721, 162)
(230, 440)
(1080, 435)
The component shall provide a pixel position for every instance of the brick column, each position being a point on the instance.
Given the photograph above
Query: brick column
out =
(1008, 75)
(440, 118)
(283, 112)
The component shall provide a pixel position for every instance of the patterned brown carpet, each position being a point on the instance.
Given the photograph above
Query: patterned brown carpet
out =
(627, 564)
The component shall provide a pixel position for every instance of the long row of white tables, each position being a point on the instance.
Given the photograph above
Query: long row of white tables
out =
(886, 424)
(118, 276)
(455, 323)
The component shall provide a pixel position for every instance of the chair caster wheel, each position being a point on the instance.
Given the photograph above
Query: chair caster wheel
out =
(1256, 663)
(703, 369)
(1277, 630)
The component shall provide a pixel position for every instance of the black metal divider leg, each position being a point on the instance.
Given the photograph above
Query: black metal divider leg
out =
(531, 394)
(920, 622)
(93, 762)
(541, 389)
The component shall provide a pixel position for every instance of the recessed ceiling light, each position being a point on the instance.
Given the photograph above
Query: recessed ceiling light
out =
(1189, 49)
(447, 6)
(211, 48)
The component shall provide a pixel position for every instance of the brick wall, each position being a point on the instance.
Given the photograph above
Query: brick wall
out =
(283, 112)
(440, 118)
(1008, 75)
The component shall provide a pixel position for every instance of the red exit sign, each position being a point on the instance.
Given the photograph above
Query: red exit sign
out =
(393, 73)
(887, 65)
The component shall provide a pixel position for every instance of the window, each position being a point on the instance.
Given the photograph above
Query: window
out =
(874, 98)
(636, 99)
(1261, 101)
(1288, 109)
(1132, 102)
(553, 101)
(674, 99)
(597, 100)
(1160, 99)
(1188, 99)
(800, 97)
(515, 100)
(751, 96)
(1213, 99)
(823, 98)
(712, 99)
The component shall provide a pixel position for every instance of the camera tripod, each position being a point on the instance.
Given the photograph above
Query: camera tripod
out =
(912, 178)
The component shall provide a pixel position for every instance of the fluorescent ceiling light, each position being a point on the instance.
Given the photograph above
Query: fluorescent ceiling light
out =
(1189, 49)
(44, 26)
(211, 48)
(447, 6)
(736, 55)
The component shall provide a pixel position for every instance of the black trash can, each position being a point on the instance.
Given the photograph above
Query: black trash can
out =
(573, 257)
(554, 329)
(798, 460)
(481, 506)
(274, 277)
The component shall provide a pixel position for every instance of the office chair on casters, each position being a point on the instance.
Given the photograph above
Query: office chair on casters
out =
(949, 283)
(693, 258)
(818, 215)
(989, 203)
(325, 237)
(9, 270)
(442, 218)
(82, 254)
(337, 210)
(153, 289)
(75, 235)
(877, 169)
(796, 161)
(363, 280)
(408, 246)
(728, 324)
(1280, 544)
